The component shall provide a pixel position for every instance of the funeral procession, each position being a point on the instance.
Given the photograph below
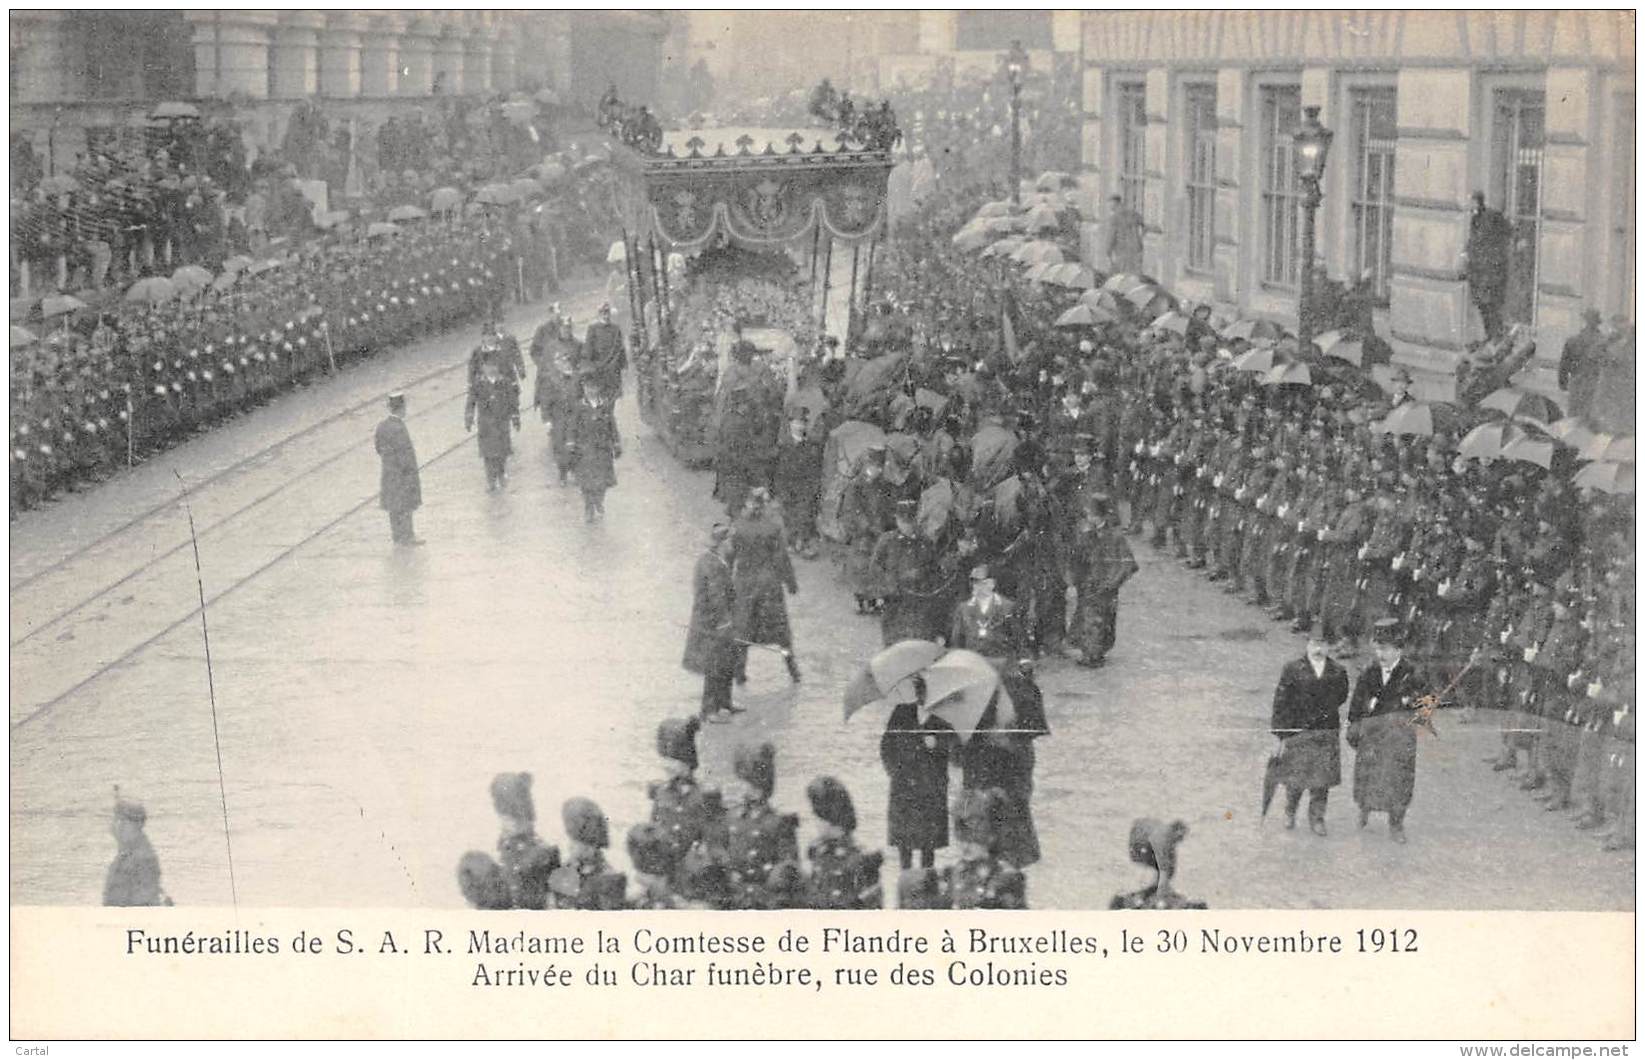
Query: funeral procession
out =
(804, 460)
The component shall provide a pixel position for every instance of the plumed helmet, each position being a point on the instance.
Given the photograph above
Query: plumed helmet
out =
(481, 880)
(650, 850)
(1154, 843)
(832, 803)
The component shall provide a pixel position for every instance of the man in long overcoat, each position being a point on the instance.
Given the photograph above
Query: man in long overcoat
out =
(1308, 723)
(1099, 564)
(761, 571)
(595, 444)
(1490, 238)
(710, 645)
(604, 353)
(493, 402)
(916, 751)
(1124, 237)
(903, 566)
(401, 487)
(798, 481)
(1383, 715)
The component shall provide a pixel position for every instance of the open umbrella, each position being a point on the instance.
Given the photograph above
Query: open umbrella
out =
(191, 276)
(936, 508)
(442, 199)
(151, 289)
(1571, 431)
(991, 450)
(617, 254)
(236, 263)
(1104, 299)
(1038, 251)
(1001, 248)
(1609, 447)
(1512, 401)
(1073, 275)
(1086, 316)
(1052, 180)
(1488, 440)
(1338, 346)
(407, 213)
(1122, 282)
(969, 238)
(1251, 330)
(1147, 296)
(1260, 359)
(1295, 374)
(1043, 218)
(1172, 321)
(22, 336)
(1419, 418)
(995, 209)
(259, 267)
(961, 686)
(1530, 449)
(382, 228)
(1606, 477)
(58, 304)
(873, 377)
(224, 281)
(495, 195)
(888, 669)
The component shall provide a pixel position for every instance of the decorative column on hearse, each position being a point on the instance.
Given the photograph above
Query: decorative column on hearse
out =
(717, 226)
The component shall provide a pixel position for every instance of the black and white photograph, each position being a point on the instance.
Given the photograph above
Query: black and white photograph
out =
(778, 460)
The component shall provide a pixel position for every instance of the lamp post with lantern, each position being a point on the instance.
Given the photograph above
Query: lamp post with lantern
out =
(1313, 143)
(1016, 64)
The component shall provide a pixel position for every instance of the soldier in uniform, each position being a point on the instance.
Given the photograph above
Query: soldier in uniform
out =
(761, 848)
(482, 881)
(585, 881)
(527, 863)
(493, 401)
(980, 880)
(558, 391)
(1154, 843)
(605, 353)
(134, 874)
(903, 565)
(401, 484)
(687, 814)
(842, 876)
(656, 862)
(1099, 564)
(1383, 715)
(1554, 660)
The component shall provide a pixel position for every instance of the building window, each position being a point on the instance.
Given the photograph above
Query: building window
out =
(1200, 105)
(1517, 135)
(1281, 193)
(1374, 123)
(1133, 114)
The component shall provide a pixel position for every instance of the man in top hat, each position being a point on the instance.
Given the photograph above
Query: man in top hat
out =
(903, 565)
(1307, 721)
(596, 445)
(711, 644)
(134, 874)
(1099, 563)
(761, 848)
(586, 881)
(866, 512)
(656, 862)
(1154, 843)
(400, 486)
(1383, 715)
(980, 880)
(687, 814)
(527, 862)
(842, 876)
(987, 623)
(761, 572)
(1486, 262)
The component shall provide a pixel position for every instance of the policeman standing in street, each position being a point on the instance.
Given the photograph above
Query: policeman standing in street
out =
(401, 484)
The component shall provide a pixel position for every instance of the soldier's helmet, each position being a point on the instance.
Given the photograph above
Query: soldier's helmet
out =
(511, 796)
(677, 740)
(1154, 843)
(978, 816)
(481, 880)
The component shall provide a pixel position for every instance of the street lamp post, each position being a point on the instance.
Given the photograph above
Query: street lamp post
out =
(1313, 143)
(1016, 63)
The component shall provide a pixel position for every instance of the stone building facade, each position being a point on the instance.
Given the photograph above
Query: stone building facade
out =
(1188, 117)
(74, 69)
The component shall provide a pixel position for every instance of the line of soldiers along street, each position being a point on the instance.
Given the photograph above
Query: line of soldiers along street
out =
(86, 402)
(1512, 587)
